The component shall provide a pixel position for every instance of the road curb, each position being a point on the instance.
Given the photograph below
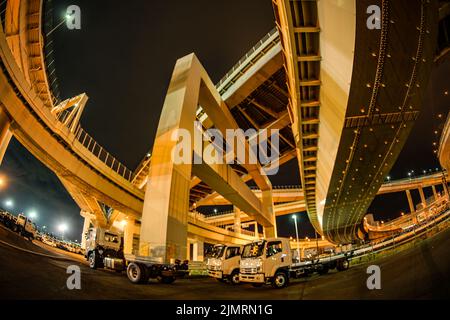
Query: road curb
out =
(36, 253)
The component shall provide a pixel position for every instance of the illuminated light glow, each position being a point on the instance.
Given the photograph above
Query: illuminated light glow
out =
(9, 203)
(32, 214)
(62, 227)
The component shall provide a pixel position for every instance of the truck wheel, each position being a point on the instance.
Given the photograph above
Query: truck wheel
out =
(93, 260)
(324, 270)
(280, 280)
(234, 277)
(137, 273)
(343, 265)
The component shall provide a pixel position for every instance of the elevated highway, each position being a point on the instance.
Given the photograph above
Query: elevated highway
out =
(353, 99)
(334, 99)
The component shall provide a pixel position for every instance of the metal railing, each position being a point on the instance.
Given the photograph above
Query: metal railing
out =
(445, 133)
(100, 153)
(239, 64)
(293, 186)
(49, 59)
(3, 6)
(96, 149)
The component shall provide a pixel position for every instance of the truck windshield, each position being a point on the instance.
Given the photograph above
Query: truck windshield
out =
(253, 250)
(217, 251)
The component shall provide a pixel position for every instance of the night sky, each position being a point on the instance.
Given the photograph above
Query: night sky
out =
(123, 58)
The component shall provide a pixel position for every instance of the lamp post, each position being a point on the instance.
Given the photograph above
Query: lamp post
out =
(296, 235)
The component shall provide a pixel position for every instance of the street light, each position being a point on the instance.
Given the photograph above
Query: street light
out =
(9, 203)
(62, 228)
(296, 235)
(2, 181)
(32, 214)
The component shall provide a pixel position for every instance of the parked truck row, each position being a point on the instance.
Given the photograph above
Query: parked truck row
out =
(270, 261)
(20, 224)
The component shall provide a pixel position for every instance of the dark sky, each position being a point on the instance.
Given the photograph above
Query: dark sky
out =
(123, 58)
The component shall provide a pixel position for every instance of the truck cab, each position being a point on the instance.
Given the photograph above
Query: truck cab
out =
(104, 248)
(223, 263)
(266, 261)
(25, 227)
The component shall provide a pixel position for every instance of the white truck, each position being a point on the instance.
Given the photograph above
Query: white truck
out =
(223, 263)
(25, 227)
(104, 249)
(271, 261)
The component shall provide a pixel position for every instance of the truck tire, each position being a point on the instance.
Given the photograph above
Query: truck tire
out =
(137, 273)
(93, 260)
(323, 270)
(166, 280)
(343, 265)
(234, 277)
(280, 280)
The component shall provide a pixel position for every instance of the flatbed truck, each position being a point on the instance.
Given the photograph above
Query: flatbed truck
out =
(271, 261)
(104, 249)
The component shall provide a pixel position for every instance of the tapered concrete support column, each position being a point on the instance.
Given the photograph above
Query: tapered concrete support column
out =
(5, 134)
(166, 204)
(128, 235)
(267, 201)
(237, 220)
(410, 201)
(445, 189)
(422, 197)
(434, 192)
(4, 145)
(256, 230)
(198, 251)
(86, 225)
(188, 251)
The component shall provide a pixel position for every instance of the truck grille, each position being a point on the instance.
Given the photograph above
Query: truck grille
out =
(248, 270)
(214, 268)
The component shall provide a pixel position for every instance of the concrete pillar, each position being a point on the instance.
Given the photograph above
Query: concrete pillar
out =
(128, 235)
(4, 145)
(237, 220)
(86, 225)
(198, 251)
(445, 189)
(434, 192)
(166, 204)
(256, 230)
(267, 202)
(422, 197)
(188, 250)
(5, 134)
(410, 201)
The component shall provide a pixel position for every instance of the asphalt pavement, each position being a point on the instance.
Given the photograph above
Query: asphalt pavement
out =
(421, 272)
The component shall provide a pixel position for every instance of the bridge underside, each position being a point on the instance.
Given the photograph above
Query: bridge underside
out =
(390, 74)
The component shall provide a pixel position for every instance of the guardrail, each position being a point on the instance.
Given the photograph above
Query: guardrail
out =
(96, 149)
(100, 153)
(3, 12)
(239, 64)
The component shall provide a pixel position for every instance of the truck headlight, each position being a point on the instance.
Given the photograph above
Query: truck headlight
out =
(259, 265)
